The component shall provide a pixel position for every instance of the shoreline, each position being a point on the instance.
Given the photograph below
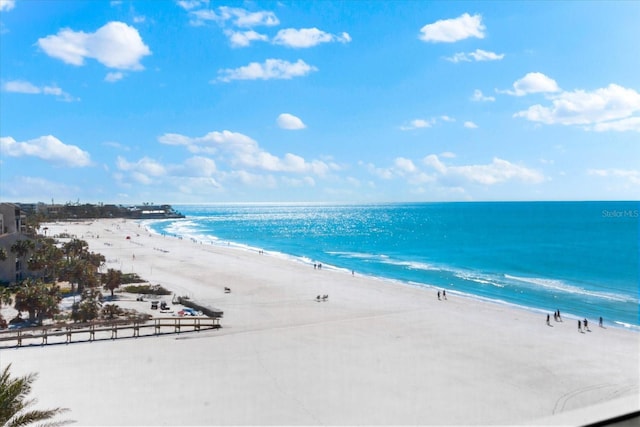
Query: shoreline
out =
(373, 353)
(304, 260)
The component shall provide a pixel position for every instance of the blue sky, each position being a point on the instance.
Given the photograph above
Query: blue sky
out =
(353, 101)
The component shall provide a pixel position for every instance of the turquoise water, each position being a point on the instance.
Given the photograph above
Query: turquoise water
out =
(579, 257)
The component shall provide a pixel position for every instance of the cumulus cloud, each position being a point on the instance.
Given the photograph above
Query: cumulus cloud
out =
(244, 38)
(270, 69)
(7, 5)
(47, 148)
(239, 150)
(22, 86)
(470, 125)
(613, 108)
(478, 55)
(533, 83)
(453, 30)
(478, 96)
(307, 37)
(143, 171)
(290, 122)
(115, 45)
(496, 172)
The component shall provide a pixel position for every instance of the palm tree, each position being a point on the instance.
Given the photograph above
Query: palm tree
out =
(74, 248)
(13, 406)
(39, 300)
(22, 248)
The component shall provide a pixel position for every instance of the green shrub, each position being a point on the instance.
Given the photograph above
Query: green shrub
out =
(131, 278)
(147, 289)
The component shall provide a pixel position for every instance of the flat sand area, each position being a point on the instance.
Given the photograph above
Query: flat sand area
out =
(375, 353)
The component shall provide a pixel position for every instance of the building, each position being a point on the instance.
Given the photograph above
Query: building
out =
(13, 226)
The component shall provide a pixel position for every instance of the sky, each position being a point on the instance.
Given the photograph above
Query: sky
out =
(318, 101)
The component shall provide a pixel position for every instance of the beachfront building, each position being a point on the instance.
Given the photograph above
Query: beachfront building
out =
(13, 227)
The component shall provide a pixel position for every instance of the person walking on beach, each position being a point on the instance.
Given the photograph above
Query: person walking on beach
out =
(579, 326)
(444, 294)
(438, 295)
(548, 320)
(586, 325)
(600, 322)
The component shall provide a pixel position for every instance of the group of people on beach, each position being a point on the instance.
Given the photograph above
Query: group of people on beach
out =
(444, 295)
(583, 325)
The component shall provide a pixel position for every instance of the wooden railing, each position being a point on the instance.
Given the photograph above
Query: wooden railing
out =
(105, 330)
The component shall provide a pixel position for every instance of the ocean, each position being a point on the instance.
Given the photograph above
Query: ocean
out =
(581, 258)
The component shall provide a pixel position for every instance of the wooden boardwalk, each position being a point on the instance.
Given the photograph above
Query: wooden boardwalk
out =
(105, 330)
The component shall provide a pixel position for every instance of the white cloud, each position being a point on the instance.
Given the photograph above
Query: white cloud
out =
(307, 37)
(613, 108)
(199, 166)
(452, 30)
(235, 16)
(113, 76)
(22, 86)
(270, 69)
(47, 148)
(239, 150)
(628, 124)
(533, 83)
(115, 45)
(244, 18)
(479, 96)
(470, 125)
(418, 124)
(498, 171)
(629, 175)
(426, 123)
(192, 4)
(7, 5)
(478, 55)
(143, 171)
(405, 165)
(244, 38)
(290, 122)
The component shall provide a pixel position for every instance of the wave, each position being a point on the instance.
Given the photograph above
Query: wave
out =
(483, 279)
(562, 286)
(358, 255)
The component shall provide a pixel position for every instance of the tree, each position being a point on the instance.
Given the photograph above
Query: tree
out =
(22, 248)
(112, 280)
(89, 307)
(111, 311)
(5, 299)
(14, 405)
(74, 247)
(47, 258)
(39, 300)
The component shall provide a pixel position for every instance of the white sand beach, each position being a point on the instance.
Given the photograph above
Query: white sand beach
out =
(375, 353)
